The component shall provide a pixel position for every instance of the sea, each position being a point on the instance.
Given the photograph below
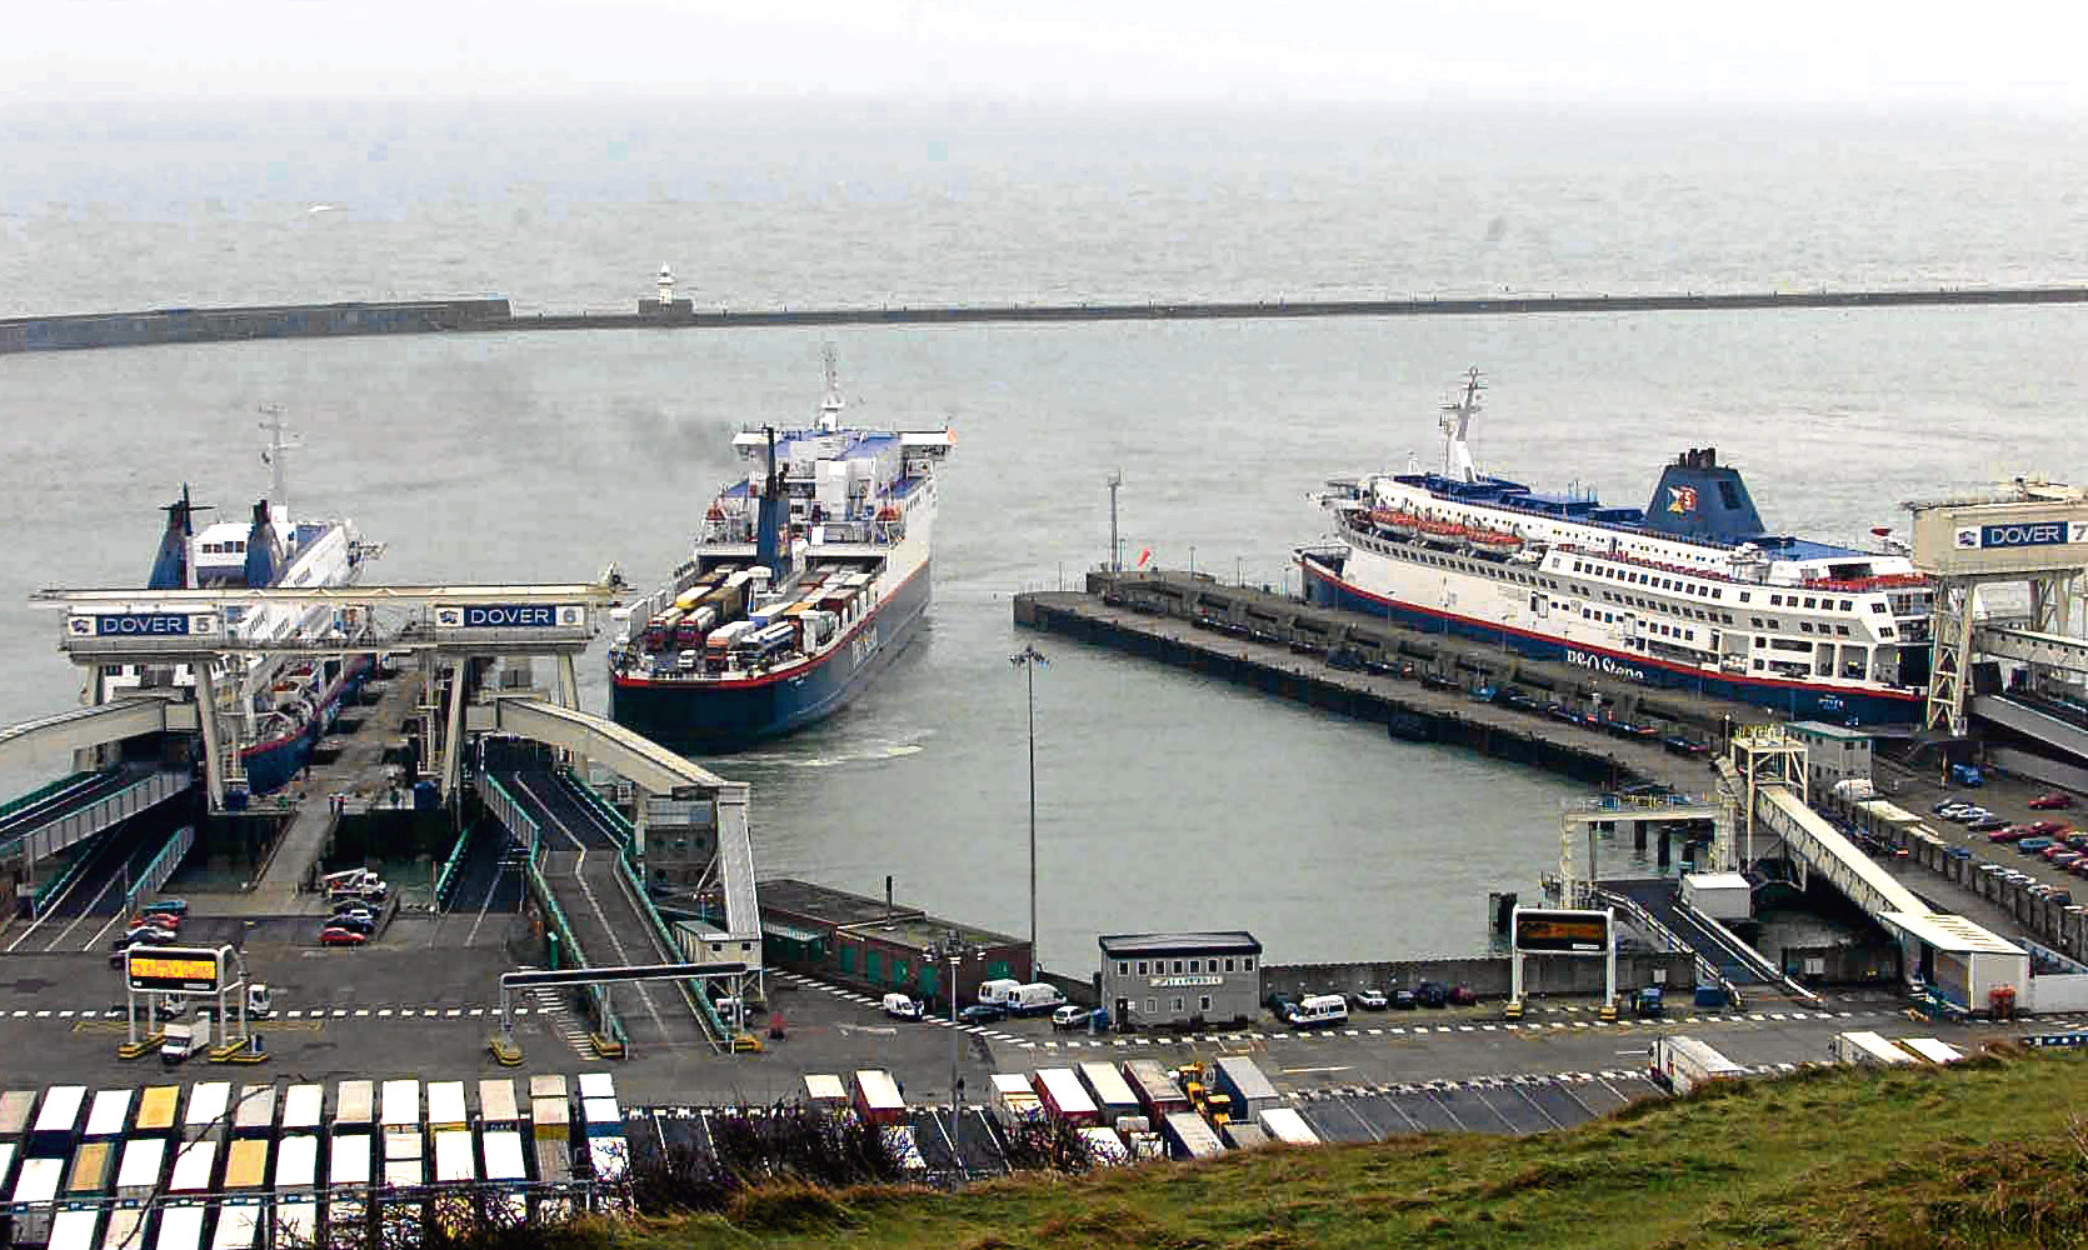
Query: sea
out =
(1162, 799)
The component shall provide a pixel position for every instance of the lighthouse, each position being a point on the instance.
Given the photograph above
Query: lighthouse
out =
(663, 303)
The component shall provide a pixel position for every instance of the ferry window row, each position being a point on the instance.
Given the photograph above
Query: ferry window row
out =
(1470, 566)
(1811, 601)
(1709, 618)
(1653, 581)
(224, 549)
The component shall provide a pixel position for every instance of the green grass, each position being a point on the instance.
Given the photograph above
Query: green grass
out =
(1992, 1153)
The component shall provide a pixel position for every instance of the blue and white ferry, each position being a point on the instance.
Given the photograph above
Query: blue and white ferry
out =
(272, 709)
(1691, 591)
(809, 575)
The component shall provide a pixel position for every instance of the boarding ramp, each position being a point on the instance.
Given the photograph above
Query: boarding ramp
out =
(37, 830)
(51, 742)
(2051, 723)
(1821, 848)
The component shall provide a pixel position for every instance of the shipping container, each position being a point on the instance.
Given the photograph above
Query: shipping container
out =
(601, 1117)
(877, 1097)
(1867, 1048)
(547, 1085)
(246, 1164)
(1240, 1079)
(126, 1229)
(1064, 1096)
(60, 1114)
(400, 1107)
(1240, 1135)
(138, 1173)
(195, 1167)
(159, 1108)
(35, 1195)
(181, 1227)
(1284, 1124)
(1189, 1137)
(1159, 1096)
(92, 1168)
(16, 1108)
(302, 1107)
(255, 1111)
(208, 1104)
(825, 1091)
(238, 1225)
(296, 1185)
(446, 1108)
(1014, 1103)
(1682, 1063)
(497, 1102)
(1929, 1050)
(1104, 1147)
(551, 1132)
(505, 1167)
(75, 1229)
(1112, 1093)
(110, 1113)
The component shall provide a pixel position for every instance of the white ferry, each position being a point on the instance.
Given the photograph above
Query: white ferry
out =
(1691, 591)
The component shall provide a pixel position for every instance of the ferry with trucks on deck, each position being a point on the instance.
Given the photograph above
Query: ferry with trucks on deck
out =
(809, 575)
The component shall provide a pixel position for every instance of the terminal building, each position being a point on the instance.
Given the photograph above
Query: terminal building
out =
(1158, 980)
(882, 946)
(1832, 753)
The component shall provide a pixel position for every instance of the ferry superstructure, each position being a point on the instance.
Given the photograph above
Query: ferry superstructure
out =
(276, 707)
(809, 575)
(1691, 591)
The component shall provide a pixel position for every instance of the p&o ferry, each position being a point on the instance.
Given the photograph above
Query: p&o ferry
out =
(1691, 591)
(272, 707)
(810, 574)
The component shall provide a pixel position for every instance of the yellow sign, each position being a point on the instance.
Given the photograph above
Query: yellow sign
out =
(168, 968)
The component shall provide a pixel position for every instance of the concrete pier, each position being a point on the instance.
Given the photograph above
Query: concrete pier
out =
(1170, 616)
(207, 325)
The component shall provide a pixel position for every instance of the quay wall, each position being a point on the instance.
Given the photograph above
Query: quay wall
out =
(1488, 975)
(186, 325)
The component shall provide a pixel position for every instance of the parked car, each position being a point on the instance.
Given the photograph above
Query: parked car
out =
(1946, 804)
(179, 906)
(2031, 846)
(1432, 994)
(2064, 859)
(1462, 996)
(358, 924)
(1403, 1000)
(1966, 815)
(335, 935)
(1071, 1016)
(1369, 1000)
(356, 912)
(2010, 833)
(167, 920)
(1987, 824)
(1278, 1003)
(902, 1007)
(2056, 800)
(983, 1013)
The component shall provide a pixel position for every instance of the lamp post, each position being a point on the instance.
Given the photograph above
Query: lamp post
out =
(1028, 660)
(953, 949)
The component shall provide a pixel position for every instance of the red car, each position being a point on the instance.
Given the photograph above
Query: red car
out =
(335, 936)
(2013, 833)
(2057, 800)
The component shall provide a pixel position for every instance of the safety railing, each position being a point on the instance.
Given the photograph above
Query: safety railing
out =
(523, 826)
(54, 836)
(618, 827)
(41, 793)
(447, 878)
(162, 866)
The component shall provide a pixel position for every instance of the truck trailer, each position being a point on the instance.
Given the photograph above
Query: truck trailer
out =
(1680, 1064)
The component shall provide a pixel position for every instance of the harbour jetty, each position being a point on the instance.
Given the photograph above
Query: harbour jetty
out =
(210, 325)
(1421, 687)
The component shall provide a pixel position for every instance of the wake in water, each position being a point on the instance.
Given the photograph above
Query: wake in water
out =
(835, 755)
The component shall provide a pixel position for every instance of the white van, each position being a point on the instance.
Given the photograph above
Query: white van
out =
(1035, 998)
(901, 1007)
(1317, 1010)
(998, 992)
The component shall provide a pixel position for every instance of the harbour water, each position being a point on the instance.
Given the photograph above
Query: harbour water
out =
(1162, 800)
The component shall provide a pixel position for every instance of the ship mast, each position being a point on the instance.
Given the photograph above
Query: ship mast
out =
(1456, 423)
(278, 487)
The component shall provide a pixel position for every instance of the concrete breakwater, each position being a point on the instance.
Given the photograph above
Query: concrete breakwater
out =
(1174, 618)
(208, 325)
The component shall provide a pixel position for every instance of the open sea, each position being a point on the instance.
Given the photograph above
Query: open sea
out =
(1164, 800)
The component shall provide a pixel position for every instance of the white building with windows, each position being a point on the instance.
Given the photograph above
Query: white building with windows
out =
(1155, 980)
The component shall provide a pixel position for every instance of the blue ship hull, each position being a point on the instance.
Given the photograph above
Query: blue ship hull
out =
(275, 763)
(1323, 588)
(719, 718)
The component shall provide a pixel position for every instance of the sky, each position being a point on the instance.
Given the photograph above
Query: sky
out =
(2005, 54)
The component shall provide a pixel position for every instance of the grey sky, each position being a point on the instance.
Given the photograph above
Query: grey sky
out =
(1597, 50)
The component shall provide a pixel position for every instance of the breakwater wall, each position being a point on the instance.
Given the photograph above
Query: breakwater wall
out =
(206, 325)
(1175, 618)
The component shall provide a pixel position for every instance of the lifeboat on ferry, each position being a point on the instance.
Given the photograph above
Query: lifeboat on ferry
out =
(888, 513)
(1442, 533)
(1394, 521)
(1493, 542)
(716, 513)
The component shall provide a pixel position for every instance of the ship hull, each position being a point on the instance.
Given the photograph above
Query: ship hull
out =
(273, 764)
(723, 717)
(1324, 587)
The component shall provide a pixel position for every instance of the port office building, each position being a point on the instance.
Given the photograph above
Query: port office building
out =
(1158, 980)
(881, 945)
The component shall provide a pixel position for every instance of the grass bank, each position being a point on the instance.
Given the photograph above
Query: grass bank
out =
(1993, 1153)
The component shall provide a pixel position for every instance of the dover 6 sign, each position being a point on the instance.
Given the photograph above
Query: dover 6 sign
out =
(511, 616)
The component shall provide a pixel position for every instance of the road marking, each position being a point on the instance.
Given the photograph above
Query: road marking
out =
(44, 1014)
(456, 1011)
(339, 1012)
(1488, 1027)
(429, 1012)
(65, 1015)
(1377, 1032)
(362, 1011)
(478, 1011)
(385, 1011)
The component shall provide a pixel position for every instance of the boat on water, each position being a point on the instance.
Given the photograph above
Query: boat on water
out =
(273, 708)
(809, 575)
(1692, 591)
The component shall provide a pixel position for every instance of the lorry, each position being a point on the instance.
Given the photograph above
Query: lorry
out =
(1158, 1093)
(1929, 1050)
(1285, 1125)
(1248, 1090)
(1034, 999)
(184, 1039)
(1189, 1136)
(1681, 1063)
(1014, 1103)
(1064, 1097)
(1867, 1048)
(1111, 1092)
